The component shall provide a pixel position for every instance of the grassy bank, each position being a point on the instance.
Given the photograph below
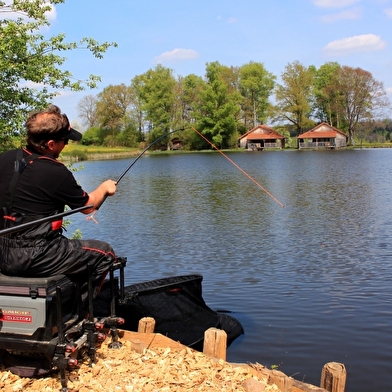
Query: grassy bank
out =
(76, 152)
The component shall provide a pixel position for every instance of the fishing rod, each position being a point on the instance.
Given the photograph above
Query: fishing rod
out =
(238, 167)
(141, 154)
(49, 218)
(91, 217)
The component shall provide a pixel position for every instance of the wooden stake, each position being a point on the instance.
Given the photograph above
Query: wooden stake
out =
(215, 343)
(146, 325)
(333, 377)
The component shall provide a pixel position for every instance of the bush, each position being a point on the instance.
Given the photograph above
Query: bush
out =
(79, 154)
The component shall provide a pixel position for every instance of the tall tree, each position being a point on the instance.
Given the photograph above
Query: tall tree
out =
(326, 94)
(218, 108)
(27, 56)
(87, 110)
(361, 97)
(113, 104)
(157, 92)
(192, 87)
(256, 85)
(137, 111)
(294, 96)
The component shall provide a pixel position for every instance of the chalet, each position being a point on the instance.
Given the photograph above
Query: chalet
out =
(176, 144)
(322, 136)
(260, 138)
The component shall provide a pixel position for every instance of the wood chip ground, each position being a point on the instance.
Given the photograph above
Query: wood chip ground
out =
(155, 369)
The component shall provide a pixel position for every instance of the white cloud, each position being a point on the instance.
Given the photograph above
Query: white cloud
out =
(355, 44)
(52, 14)
(388, 11)
(388, 90)
(177, 55)
(334, 3)
(354, 13)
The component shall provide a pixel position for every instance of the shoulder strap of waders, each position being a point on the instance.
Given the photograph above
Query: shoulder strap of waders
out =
(19, 166)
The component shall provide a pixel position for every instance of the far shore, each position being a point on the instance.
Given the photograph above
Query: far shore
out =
(79, 153)
(98, 156)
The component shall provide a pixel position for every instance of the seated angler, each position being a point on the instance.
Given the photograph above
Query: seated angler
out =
(33, 185)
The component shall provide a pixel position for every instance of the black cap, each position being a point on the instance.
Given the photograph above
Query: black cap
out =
(69, 133)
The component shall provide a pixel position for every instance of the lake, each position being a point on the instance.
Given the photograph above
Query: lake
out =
(310, 282)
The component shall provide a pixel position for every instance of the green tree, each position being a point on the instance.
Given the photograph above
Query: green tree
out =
(218, 108)
(192, 86)
(27, 56)
(137, 111)
(361, 97)
(157, 92)
(113, 104)
(92, 136)
(294, 97)
(256, 85)
(326, 94)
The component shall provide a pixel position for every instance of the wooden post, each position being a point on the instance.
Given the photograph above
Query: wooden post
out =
(333, 377)
(283, 382)
(146, 325)
(215, 343)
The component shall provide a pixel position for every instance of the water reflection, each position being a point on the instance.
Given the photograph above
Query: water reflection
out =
(310, 282)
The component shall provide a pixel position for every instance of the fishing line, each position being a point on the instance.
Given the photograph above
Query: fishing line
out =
(92, 216)
(239, 168)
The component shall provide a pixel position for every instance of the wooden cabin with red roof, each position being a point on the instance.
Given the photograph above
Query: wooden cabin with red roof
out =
(260, 138)
(322, 136)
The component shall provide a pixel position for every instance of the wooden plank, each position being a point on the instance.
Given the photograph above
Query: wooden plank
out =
(283, 382)
(150, 340)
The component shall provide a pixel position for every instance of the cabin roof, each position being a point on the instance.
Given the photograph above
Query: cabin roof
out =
(261, 132)
(322, 130)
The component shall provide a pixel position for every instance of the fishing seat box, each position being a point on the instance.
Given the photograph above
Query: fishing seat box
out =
(28, 306)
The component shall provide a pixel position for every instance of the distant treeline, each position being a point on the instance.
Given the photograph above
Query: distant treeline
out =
(229, 101)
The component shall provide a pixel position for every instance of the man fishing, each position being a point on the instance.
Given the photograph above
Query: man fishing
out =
(33, 185)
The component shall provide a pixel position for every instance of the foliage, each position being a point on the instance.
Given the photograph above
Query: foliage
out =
(80, 154)
(294, 96)
(92, 136)
(216, 113)
(112, 106)
(158, 102)
(360, 96)
(255, 85)
(325, 105)
(29, 58)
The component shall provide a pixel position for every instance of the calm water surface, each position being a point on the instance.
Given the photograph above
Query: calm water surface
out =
(310, 283)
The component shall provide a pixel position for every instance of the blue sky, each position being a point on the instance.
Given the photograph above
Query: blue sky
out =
(185, 35)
